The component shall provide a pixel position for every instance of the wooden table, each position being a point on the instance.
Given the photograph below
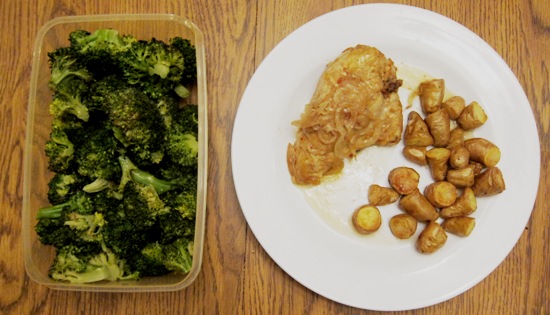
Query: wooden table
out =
(237, 276)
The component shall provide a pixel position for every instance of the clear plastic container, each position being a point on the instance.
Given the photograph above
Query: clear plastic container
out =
(52, 35)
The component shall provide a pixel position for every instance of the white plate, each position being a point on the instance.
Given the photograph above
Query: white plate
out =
(307, 231)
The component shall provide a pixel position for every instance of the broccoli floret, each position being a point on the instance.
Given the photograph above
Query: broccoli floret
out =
(173, 225)
(178, 255)
(149, 261)
(62, 186)
(184, 202)
(142, 203)
(65, 65)
(97, 156)
(75, 267)
(60, 151)
(189, 55)
(108, 40)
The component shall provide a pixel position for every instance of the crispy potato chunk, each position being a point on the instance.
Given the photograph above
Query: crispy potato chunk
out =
(403, 225)
(404, 179)
(441, 194)
(463, 177)
(459, 158)
(418, 206)
(461, 226)
(456, 137)
(431, 94)
(473, 116)
(417, 132)
(437, 161)
(379, 196)
(416, 155)
(367, 219)
(489, 182)
(432, 238)
(464, 205)
(483, 151)
(454, 106)
(439, 125)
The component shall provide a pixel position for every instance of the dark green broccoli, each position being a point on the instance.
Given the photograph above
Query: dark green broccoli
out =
(173, 225)
(149, 261)
(76, 267)
(64, 64)
(188, 52)
(175, 256)
(97, 156)
(60, 151)
(61, 186)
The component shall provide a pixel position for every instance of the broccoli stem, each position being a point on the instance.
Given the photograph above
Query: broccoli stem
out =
(52, 212)
(144, 178)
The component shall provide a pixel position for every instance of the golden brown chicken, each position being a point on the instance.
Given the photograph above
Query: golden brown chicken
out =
(355, 105)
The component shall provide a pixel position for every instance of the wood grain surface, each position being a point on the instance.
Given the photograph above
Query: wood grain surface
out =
(237, 276)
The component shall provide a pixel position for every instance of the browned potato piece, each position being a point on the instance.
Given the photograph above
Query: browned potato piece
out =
(477, 167)
(403, 225)
(439, 125)
(489, 182)
(459, 158)
(456, 137)
(437, 161)
(416, 154)
(431, 94)
(463, 177)
(483, 151)
(454, 106)
(379, 196)
(404, 179)
(441, 194)
(464, 205)
(367, 219)
(418, 206)
(432, 238)
(472, 116)
(416, 131)
(461, 226)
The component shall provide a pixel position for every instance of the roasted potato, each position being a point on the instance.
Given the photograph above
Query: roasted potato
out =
(416, 131)
(438, 162)
(404, 179)
(477, 167)
(454, 106)
(366, 219)
(416, 155)
(403, 225)
(483, 151)
(432, 238)
(431, 94)
(463, 177)
(472, 116)
(461, 226)
(456, 137)
(459, 158)
(379, 196)
(441, 194)
(418, 206)
(439, 125)
(489, 182)
(464, 205)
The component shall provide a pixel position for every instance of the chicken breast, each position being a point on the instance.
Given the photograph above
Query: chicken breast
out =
(355, 105)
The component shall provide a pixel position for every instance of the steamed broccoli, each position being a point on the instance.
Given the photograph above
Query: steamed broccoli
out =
(124, 156)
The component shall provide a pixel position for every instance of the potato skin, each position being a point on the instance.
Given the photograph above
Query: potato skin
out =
(366, 219)
(483, 151)
(464, 177)
(456, 137)
(403, 226)
(460, 157)
(437, 161)
(461, 226)
(441, 194)
(416, 131)
(431, 94)
(464, 205)
(379, 196)
(432, 238)
(489, 182)
(473, 116)
(454, 106)
(416, 155)
(418, 206)
(404, 179)
(439, 125)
